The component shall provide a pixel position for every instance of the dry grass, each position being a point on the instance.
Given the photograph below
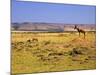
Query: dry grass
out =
(52, 52)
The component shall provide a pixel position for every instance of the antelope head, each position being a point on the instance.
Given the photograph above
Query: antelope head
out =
(75, 27)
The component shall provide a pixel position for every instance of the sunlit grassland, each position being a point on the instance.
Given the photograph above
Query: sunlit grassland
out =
(52, 52)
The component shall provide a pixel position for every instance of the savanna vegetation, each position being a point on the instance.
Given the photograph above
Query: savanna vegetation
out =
(48, 52)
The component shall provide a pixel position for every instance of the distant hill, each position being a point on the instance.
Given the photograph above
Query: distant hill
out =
(50, 27)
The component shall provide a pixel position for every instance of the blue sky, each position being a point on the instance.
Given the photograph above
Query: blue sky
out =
(52, 13)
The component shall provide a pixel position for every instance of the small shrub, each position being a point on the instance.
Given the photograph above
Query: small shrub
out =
(46, 42)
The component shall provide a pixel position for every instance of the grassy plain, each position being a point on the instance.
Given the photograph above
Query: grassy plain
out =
(48, 52)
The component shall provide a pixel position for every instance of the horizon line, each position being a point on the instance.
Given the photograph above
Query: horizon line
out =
(54, 23)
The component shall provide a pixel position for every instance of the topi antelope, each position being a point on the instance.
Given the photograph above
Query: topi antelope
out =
(79, 30)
